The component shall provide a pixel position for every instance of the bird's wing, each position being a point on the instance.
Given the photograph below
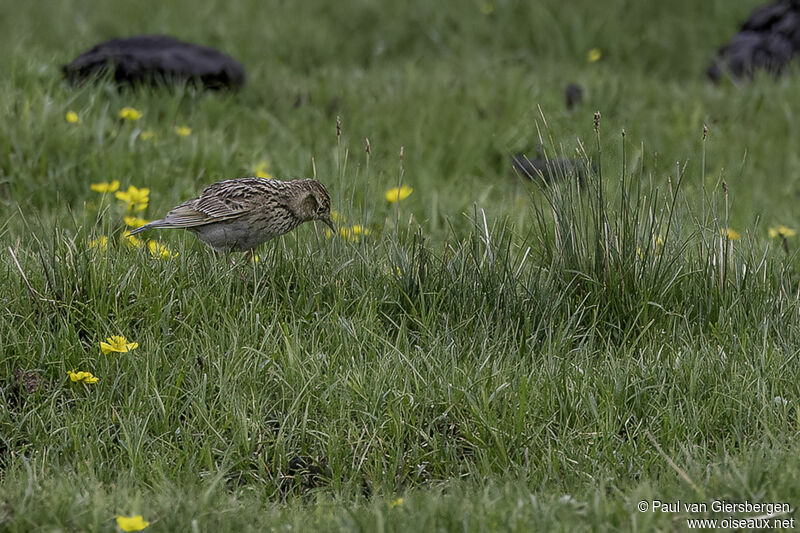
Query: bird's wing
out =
(221, 201)
(188, 215)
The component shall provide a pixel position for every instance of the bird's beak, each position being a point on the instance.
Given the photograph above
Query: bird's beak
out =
(328, 222)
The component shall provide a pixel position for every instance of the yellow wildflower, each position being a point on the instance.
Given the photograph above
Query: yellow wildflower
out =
(132, 523)
(72, 117)
(731, 234)
(147, 135)
(594, 55)
(336, 216)
(487, 8)
(129, 113)
(183, 131)
(135, 198)
(134, 222)
(255, 258)
(659, 241)
(396, 194)
(781, 231)
(82, 377)
(353, 233)
(105, 186)
(100, 243)
(262, 170)
(397, 503)
(131, 241)
(117, 344)
(160, 251)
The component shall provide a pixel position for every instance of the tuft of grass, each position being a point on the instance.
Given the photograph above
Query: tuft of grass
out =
(485, 354)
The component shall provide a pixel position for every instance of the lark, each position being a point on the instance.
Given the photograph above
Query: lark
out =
(236, 215)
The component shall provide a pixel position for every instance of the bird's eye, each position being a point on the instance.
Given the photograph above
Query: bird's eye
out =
(321, 209)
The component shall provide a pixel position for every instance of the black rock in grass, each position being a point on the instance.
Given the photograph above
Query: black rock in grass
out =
(573, 95)
(545, 169)
(769, 40)
(157, 60)
(304, 474)
(25, 383)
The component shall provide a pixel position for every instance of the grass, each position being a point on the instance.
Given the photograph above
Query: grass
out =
(493, 355)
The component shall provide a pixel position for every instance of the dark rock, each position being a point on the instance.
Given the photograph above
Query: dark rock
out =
(768, 40)
(544, 169)
(157, 60)
(24, 384)
(305, 474)
(573, 95)
(764, 17)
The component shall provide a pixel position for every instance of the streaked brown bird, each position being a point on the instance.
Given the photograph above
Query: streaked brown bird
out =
(237, 215)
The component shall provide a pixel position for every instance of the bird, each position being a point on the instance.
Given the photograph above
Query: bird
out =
(238, 214)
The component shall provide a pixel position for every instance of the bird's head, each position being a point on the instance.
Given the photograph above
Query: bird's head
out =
(312, 202)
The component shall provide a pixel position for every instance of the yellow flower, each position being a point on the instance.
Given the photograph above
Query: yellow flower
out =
(395, 194)
(105, 186)
(134, 222)
(262, 170)
(82, 377)
(659, 241)
(594, 55)
(147, 135)
(117, 344)
(336, 216)
(183, 131)
(353, 233)
(132, 523)
(131, 241)
(160, 251)
(781, 231)
(135, 198)
(100, 243)
(129, 113)
(732, 235)
(487, 8)
(72, 117)
(639, 252)
(397, 503)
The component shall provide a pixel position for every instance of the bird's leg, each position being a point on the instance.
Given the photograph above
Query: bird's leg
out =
(249, 256)
(231, 263)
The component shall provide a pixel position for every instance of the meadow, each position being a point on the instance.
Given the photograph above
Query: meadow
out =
(484, 354)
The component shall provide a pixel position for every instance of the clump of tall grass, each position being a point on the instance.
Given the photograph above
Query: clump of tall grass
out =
(642, 256)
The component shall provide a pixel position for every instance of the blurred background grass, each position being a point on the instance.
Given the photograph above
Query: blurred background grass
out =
(456, 84)
(488, 387)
